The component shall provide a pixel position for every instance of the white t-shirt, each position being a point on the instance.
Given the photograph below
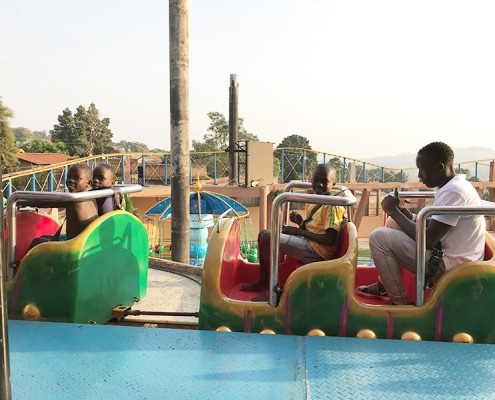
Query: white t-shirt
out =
(466, 240)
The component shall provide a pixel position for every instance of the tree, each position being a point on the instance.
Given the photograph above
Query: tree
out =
(68, 132)
(218, 140)
(466, 172)
(40, 135)
(8, 148)
(379, 175)
(296, 157)
(133, 147)
(83, 133)
(97, 132)
(42, 146)
(338, 165)
(22, 135)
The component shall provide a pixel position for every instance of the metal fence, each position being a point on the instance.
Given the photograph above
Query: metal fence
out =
(149, 169)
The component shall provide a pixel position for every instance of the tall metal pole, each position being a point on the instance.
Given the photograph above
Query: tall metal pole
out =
(5, 391)
(233, 129)
(179, 127)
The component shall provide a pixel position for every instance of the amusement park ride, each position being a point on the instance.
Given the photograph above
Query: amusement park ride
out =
(62, 296)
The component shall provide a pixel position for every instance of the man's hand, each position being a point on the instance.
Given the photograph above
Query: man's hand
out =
(391, 203)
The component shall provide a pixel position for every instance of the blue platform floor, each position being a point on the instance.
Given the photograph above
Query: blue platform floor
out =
(70, 361)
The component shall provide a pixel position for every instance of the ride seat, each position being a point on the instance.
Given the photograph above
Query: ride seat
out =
(290, 264)
(488, 252)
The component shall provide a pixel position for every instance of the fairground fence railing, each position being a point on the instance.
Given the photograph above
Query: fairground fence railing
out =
(149, 169)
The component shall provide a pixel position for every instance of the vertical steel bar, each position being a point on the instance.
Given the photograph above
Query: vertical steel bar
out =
(282, 165)
(165, 169)
(214, 168)
(123, 169)
(233, 129)
(303, 166)
(5, 389)
(50, 180)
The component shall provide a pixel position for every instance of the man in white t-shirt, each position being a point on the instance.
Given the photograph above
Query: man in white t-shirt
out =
(462, 237)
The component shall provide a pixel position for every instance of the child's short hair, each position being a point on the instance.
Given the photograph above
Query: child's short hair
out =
(108, 168)
(83, 168)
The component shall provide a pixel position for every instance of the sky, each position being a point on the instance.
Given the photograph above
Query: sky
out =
(357, 78)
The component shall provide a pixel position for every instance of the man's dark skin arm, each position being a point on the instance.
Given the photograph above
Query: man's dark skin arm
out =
(435, 230)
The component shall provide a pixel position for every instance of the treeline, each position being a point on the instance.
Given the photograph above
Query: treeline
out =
(84, 133)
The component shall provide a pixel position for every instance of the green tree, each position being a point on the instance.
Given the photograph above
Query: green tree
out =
(40, 135)
(68, 132)
(97, 132)
(8, 148)
(22, 135)
(42, 146)
(338, 165)
(379, 175)
(133, 147)
(467, 172)
(83, 133)
(296, 157)
(218, 140)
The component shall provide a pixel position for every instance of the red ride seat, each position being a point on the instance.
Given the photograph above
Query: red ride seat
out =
(30, 225)
(290, 264)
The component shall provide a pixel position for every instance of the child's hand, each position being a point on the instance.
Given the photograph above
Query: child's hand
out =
(295, 217)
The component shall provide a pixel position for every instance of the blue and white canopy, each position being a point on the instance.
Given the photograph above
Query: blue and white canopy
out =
(201, 202)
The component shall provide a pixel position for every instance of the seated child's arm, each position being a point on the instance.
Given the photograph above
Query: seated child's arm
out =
(79, 216)
(105, 205)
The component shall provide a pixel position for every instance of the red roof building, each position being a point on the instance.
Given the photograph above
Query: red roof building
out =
(33, 160)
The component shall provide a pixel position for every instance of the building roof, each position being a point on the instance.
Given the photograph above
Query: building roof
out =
(43, 158)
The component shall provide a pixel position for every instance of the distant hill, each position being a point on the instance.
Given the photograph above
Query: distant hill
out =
(462, 156)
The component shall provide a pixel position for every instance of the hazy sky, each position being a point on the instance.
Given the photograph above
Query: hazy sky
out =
(357, 78)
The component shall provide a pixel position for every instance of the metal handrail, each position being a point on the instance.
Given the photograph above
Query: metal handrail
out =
(278, 202)
(487, 208)
(45, 200)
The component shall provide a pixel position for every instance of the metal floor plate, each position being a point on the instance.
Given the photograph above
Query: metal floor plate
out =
(70, 361)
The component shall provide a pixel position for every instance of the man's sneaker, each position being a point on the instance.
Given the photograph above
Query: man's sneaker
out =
(373, 291)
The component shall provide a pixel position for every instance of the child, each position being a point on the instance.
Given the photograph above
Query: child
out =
(104, 178)
(78, 214)
(315, 239)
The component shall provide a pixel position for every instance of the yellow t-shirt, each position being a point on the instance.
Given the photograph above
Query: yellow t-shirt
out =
(326, 217)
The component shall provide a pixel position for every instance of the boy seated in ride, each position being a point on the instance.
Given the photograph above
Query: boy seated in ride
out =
(104, 178)
(78, 214)
(315, 239)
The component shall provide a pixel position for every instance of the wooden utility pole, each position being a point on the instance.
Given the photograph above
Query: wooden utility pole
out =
(179, 127)
(233, 129)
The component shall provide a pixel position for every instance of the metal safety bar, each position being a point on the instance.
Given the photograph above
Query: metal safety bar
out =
(346, 200)
(47, 200)
(486, 208)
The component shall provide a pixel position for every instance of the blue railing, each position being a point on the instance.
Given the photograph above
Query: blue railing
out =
(154, 169)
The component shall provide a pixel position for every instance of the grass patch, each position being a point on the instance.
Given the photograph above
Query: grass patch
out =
(364, 254)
